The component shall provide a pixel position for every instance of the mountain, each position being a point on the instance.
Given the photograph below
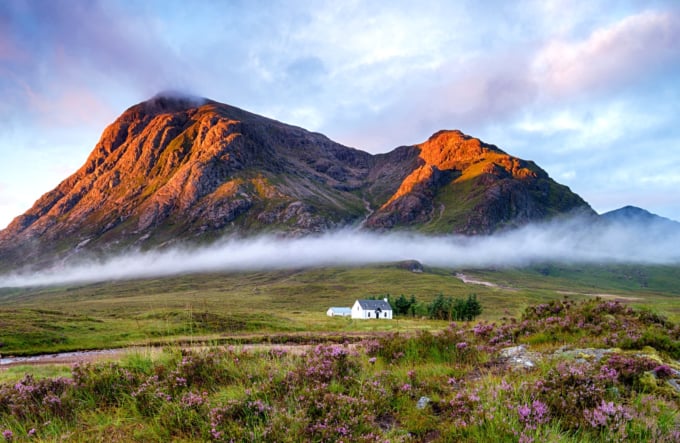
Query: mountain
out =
(185, 169)
(461, 184)
(634, 216)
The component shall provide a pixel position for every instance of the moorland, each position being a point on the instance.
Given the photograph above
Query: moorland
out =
(560, 353)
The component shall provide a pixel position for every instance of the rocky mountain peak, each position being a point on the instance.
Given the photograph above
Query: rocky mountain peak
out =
(448, 148)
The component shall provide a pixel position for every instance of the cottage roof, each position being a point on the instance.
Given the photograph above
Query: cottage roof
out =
(375, 304)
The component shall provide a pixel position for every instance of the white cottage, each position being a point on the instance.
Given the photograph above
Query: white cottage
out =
(339, 312)
(378, 309)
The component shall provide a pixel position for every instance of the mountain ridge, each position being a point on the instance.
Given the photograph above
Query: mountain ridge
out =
(177, 168)
(631, 215)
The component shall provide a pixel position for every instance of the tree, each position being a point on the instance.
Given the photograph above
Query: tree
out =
(448, 308)
(472, 307)
(440, 308)
(459, 310)
(404, 306)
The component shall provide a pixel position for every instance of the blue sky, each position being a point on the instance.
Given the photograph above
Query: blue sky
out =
(590, 90)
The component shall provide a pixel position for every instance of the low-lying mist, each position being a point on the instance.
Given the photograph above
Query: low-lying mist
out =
(568, 241)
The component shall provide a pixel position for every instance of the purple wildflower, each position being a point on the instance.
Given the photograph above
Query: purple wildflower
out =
(663, 371)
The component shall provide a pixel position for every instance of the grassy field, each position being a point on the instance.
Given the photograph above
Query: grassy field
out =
(283, 305)
(599, 372)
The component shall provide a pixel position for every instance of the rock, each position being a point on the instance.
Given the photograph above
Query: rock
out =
(518, 357)
(674, 383)
(584, 355)
(411, 265)
(422, 402)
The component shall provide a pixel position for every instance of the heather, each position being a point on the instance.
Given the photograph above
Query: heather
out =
(565, 371)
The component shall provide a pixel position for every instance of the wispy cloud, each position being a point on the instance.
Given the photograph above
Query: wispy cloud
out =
(573, 240)
(68, 57)
(609, 57)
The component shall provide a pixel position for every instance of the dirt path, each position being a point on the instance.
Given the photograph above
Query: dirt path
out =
(471, 281)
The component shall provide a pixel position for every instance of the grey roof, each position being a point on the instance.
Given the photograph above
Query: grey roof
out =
(372, 305)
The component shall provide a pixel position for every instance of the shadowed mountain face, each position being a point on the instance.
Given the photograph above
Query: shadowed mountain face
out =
(179, 169)
(634, 216)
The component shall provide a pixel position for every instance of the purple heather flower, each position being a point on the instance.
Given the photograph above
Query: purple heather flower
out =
(663, 371)
(540, 412)
(524, 412)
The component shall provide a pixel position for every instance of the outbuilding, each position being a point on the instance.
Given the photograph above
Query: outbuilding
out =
(339, 312)
(366, 309)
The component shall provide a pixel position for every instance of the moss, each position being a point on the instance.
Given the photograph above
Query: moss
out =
(648, 382)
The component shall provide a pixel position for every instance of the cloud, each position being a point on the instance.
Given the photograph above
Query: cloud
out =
(591, 126)
(608, 65)
(572, 240)
(71, 59)
(609, 57)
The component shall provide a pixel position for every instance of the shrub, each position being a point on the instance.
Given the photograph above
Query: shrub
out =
(571, 388)
(35, 400)
(630, 368)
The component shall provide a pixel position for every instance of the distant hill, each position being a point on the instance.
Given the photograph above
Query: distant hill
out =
(180, 169)
(633, 214)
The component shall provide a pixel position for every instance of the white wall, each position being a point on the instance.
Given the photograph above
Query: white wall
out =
(359, 313)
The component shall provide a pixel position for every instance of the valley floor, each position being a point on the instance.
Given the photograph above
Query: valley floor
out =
(565, 371)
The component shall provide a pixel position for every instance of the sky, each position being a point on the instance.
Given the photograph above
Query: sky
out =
(589, 90)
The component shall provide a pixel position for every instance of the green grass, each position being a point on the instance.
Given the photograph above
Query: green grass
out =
(16, 373)
(256, 305)
(458, 198)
